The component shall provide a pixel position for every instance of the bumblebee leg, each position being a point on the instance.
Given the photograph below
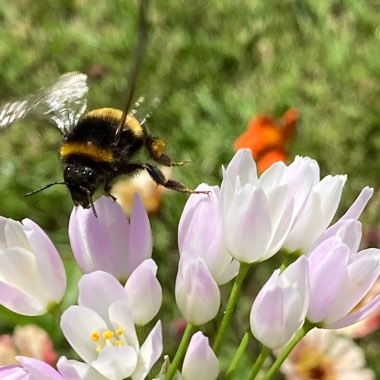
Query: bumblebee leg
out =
(160, 179)
(156, 148)
(107, 192)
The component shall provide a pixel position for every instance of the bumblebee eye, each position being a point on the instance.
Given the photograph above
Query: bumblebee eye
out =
(90, 176)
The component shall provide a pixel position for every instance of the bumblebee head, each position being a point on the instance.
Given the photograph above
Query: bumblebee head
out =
(82, 181)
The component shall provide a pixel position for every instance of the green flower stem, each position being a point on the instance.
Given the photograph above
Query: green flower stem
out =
(259, 363)
(230, 306)
(55, 312)
(238, 355)
(180, 351)
(287, 350)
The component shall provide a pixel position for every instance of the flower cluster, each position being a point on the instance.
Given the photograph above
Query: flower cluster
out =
(247, 220)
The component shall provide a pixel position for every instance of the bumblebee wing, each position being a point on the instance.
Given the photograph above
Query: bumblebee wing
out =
(13, 111)
(63, 102)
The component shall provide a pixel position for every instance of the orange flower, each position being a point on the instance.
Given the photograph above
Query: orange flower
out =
(268, 139)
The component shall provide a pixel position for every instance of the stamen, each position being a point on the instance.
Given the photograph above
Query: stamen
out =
(108, 334)
(95, 336)
(108, 338)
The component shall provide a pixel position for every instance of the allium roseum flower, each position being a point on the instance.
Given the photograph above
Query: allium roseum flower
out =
(32, 276)
(258, 213)
(30, 369)
(196, 292)
(200, 362)
(101, 330)
(110, 242)
(339, 279)
(200, 232)
(324, 355)
(142, 292)
(280, 308)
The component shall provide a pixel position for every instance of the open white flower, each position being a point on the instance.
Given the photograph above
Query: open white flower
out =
(101, 329)
(324, 355)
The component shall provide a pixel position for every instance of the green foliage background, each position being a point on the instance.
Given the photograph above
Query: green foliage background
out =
(213, 64)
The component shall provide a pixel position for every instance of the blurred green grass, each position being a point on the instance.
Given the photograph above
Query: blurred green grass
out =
(213, 65)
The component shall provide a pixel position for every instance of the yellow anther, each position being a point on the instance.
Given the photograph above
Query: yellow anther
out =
(108, 334)
(120, 331)
(95, 336)
(118, 342)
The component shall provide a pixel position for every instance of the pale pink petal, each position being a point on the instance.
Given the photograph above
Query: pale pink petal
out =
(247, 225)
(362, 274)
(200, 227)
(279, 309)
(274, 176)
(144, 292)
(350, 232)
(266, 318)
(38, 369)
(358, 206)
(317, 213)
(18, 270)
(98, 290)
(140, 239)
(14, 234)
(243, 165)
(328, 273)
(77, 324)
(306, 171)
(75, 370)
(149, 353)
(365, 311)
(227, 267)
(13, 372)
(200, 362)
(48, 259)
(197, 294)
(98, 242)
(116, 362)
(120, 316)
(283, 227)
(200, 233)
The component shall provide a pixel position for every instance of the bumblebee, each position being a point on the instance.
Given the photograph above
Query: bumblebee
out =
(97, 146)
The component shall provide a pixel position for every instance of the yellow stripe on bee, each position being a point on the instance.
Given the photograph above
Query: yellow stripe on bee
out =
(116, 114)
(86, 149)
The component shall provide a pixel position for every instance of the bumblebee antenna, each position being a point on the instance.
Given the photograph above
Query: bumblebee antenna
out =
(139, 54)
(45, 187)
